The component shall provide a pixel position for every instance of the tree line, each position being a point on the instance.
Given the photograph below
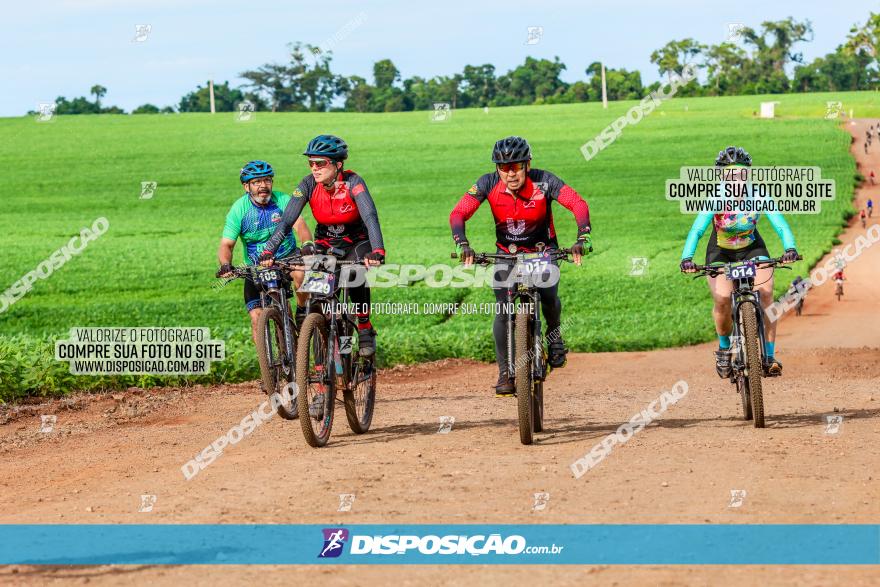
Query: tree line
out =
(758, 61)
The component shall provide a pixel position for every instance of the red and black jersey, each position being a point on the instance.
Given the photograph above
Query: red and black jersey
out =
(524, 218)
(345, 214)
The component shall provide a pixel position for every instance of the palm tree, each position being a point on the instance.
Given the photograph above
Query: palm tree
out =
(99, 91)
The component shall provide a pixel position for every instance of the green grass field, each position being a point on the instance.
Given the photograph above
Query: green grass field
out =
(155, 265)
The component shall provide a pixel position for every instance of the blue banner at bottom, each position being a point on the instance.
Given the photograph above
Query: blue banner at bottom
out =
(655, 544)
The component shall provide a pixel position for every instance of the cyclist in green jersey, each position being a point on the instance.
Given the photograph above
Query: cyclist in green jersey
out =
(252, 218)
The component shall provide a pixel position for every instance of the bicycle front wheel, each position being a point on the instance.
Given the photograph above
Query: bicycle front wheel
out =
(316, 379)
(360, 397)
(276, 369)
(754, 367)
(523, 374)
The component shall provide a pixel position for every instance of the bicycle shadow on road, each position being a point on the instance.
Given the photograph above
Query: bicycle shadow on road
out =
(596, 431)
(400, 431)
(817, 419)
(578, 429)
(557, 431)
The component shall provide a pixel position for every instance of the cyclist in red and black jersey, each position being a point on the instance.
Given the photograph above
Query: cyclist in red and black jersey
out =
(520, 198)
(346, 219)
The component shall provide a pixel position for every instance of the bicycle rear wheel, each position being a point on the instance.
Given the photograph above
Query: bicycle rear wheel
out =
(538, 407)
(276, 371)
(360, 397)
(754, 367)
(316, 379)
(742, 386)
(523, 373)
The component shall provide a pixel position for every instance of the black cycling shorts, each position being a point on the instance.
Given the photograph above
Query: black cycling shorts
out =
(715, 254)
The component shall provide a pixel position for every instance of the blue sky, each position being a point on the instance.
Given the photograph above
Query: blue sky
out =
(63, 47)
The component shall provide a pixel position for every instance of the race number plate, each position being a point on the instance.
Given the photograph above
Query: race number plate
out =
(318, 282)
(267, 276)
(532, 264)
(745, 271)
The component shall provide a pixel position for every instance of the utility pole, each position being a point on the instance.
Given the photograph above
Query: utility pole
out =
(211, 91)
(604, 89)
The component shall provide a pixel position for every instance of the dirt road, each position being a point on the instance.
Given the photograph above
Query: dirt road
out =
(107, 451)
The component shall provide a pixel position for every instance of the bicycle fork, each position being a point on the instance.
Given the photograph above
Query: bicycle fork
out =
(536, 363)
(738, 301)
(289, 351)
(511, 325)
(274, 297)
(537, 350)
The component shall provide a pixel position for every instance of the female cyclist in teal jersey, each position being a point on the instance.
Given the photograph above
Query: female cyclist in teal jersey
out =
(735, 238)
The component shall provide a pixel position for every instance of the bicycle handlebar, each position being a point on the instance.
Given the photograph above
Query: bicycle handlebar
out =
(716, 270)
(292, 263)
(486, 258)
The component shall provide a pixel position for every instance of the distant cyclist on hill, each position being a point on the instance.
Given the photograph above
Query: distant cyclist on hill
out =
(252, 218)
(838, 278)
(797, 291)
(735, 238)
(520, 199)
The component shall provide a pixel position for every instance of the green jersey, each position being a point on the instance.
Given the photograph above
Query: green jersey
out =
(255, 224)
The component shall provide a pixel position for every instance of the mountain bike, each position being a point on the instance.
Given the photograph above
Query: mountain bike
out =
(838, 289)
(749, 358)
(327, 358)
(799, 295)
(526, 356)
(276, 329)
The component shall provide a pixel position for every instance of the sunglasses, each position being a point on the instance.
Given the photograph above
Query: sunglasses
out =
(512, 167)
(319, 163)
(261, 181)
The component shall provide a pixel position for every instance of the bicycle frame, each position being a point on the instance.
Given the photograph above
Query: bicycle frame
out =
(340, 324)
(275, 293)
(744, 293)
(525, 295)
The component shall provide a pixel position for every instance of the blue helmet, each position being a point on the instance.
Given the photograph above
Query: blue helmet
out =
(328, 146)
(255, 169)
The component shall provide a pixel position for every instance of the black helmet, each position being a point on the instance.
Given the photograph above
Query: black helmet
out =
(733, 156)
(511, 150)
(328, 146)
